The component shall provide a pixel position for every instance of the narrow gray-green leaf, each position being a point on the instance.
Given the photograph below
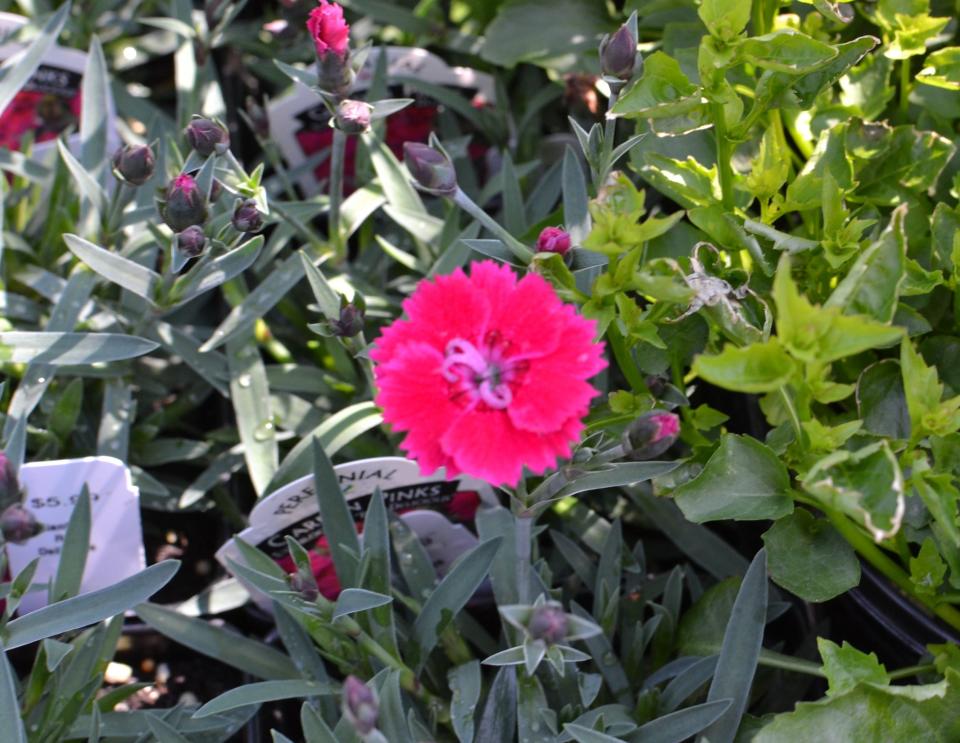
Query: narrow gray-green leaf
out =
(338, 524)
(73, 554)
(89, 608)
(740, 651)
(20, 67)
(231, 648)
(10, 720)
(451, 596)
(679, 726)
(133, 277)
(61, 349)
(263, 691)
(353, 600)
(576, 217)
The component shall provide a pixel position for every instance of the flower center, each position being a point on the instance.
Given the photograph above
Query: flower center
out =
(482, 372)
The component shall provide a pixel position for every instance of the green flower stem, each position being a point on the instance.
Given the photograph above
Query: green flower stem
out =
(893, 572)
(521, 251)
(337, 157)
(523, 544)
(408, 678)
(609, 137)
(772, 659)
(905, 86)
(724, 155)
(911, 671)
(625, 360)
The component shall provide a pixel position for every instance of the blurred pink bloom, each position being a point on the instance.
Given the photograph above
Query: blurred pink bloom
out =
(488, 374)
(329, 31)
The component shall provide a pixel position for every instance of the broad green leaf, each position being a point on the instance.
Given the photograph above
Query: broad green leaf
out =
(724, 19)
(759, 367)
(941, 69)
(451, 595)
(231, 648)
(866, 484)
(665, 97)
(927, 569)
(743, 480)
(923, 391)
(520, 33)
(822, 334)
(882, 401)
(123, 272)
(786, 50)
(89, 608)
(740, 652)
(846, 667)
(71, 348)
(925, 712)
(263, 691)
(809, 558)
(872, 284)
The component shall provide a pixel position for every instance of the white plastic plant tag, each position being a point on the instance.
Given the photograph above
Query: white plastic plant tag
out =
(439, 511)
(50, 102)
(300, 123)
(116, 537)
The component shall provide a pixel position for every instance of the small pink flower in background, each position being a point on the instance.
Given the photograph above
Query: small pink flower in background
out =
(329, 30)
(651, 435)
(553, 240)
(488, 374)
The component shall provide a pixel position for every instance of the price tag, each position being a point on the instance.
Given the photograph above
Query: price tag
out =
(439, 511)
(50, 101)
(300, 123)
(116, 539)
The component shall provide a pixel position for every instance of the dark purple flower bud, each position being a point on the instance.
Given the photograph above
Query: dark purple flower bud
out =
(650, 435)
(548, 623)
(430, 168)
(360, 705)
(618, 54)
(206, 137)
(185, 205)
(305, 583)
(191, 241)
(216, 188)
(350, 322)
(353, 117)
(134, 164)
(246, 217)
(553, 240)
(18, 525)
(9, 483)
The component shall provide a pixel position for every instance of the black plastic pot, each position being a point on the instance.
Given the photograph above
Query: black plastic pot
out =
(877, 617)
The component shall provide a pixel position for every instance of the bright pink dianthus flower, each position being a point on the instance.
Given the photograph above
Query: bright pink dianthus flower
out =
(329, 30)
(488, 374)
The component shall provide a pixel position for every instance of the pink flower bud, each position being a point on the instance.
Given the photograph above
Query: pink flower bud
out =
(18, 525)
(430, 168)
(553, 240)
(650, 435)
(353, 117)
(134, 164)
(330, 32)
(185, 205)
(548, 623)
(360, 705)
(206, 136)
